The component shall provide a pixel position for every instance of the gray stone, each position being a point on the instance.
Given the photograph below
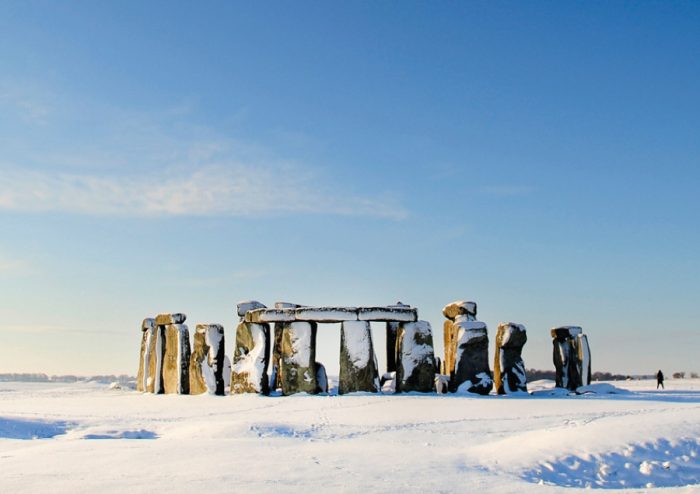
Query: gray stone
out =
(250, 359)
(584, 359)
(147, 332)
(358, 363)
(396, 314)
(286, 305)
(156, 350)
(326, 314)
(321, 378)
(472, 373)
(565, 356)
(176, 360)
(246, 305)
(509, 367)
(460, 308)
(208, 360)
(165, 319)
(298, 358)
(415, 366)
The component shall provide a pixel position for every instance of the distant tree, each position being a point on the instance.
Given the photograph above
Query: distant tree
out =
(679, 375)
(694, 375)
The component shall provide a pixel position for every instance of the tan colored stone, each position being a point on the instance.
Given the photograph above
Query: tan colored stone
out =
(176, 360)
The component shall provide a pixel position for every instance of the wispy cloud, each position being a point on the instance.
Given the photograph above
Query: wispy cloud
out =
(224, 190)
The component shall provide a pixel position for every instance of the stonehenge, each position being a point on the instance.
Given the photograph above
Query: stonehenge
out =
(508, 366)
(282, 340)
(572, 357)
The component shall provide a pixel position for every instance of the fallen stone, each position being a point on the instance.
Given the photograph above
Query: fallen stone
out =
(415, 366)
(358, 363)
(147, 328)
(165, 319)
(207, 362)
(321, 378)
(266, 316)
(246, 305)
(176, 360)
(460, 308)
(509, 367)
(396, 314)
(472, 373)
(250, 359)
(298, 358)
(326, 314)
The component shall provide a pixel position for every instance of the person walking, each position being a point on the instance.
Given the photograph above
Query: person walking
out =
(660, 379)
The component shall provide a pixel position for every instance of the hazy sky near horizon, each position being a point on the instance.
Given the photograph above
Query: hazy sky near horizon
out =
(539, 158)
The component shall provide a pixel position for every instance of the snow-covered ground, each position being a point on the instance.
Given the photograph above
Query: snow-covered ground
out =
(88, 438)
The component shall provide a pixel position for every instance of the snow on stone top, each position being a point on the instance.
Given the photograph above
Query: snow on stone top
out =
(565, 331)
(270, 315)
(286, 305)
(333, 314)
(202, 328)
(389, 314)
(507, 330)
(165, 319)
(459, 307)
(469, 324)
(326, 314)
(148, 323)
(247, 305)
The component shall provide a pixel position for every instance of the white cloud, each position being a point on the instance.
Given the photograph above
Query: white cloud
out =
(213, 190)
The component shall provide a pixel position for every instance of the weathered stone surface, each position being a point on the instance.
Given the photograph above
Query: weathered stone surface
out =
(264, 316)
(450, 346)
(472, 373)
(246, 305)
(287, 305)
(415, 366)
(208, 360)
(176, 360)
(583, 360)
(326, 314)
(250, 359)
(460, 308)
(509, 367)
(165, 319)
(147, 330)
(156, 350)
(298, 358)
(391, 329)
(396, 314)
(358, 363)
(321, 378)
(275, 374)
(565, 356)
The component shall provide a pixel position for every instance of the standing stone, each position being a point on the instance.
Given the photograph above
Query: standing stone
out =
(321, 378)
(584, 359)
(472, 373)
(358, 363)
(459, 308)
(275, 374)
(509, 367)
(246, 305)
(250, 359)
(176, 360)
(156, 350)
(298, 358)
(391, 329)
(565, 356)
(147, 332)
(415, 365)
(207, 363)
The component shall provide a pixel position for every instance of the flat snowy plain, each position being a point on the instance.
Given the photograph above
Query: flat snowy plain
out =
(90, 438)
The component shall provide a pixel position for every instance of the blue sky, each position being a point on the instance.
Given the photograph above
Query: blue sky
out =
(538, 158)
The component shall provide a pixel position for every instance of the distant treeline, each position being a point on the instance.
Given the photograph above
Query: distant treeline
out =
(44, 378)
(537, 374)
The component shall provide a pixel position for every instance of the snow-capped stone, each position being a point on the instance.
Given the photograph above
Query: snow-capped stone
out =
(565, 356)
(246, 305)
(298, 358)
(471, 357)
(250, 359)
(326, 314)
(415, 366)
(358, 363)
(459, 307)
(321, 378)
(176, 359)
(397, 314)
(207, 363)
(264, 316)
(509, 367)
(286, 305)
(566, 331)
(147, 328)
(165, 319)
